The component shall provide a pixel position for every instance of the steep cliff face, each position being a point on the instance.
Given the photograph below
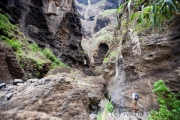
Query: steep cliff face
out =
(98, 19)
(146, 57)
(50, 23)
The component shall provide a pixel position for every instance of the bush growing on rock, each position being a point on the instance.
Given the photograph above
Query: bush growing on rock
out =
(169, 103)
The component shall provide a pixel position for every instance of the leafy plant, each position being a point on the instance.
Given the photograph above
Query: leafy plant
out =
(157, 12)
(169, 103)
(109, 107)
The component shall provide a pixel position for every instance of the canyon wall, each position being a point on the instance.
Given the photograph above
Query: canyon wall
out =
(98, 18)
(54, 24)
(146, 57)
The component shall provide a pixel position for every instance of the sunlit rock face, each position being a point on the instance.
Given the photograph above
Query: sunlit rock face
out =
(91, 14)
(50, 23)
(60, 96)
(98, 18)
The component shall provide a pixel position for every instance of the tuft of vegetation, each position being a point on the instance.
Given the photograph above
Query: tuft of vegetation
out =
(155, 12)
(99, 116)
(108, 109)
(169, 103)
(110, 56)
(4, 24)
(108, 12)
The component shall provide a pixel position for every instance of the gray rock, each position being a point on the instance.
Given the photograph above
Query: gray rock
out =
(3, 99)
(2, 85)
(94, 107)
(19, 84)
(93, 116)
(32, 81)
(9, 95)
(16, 81)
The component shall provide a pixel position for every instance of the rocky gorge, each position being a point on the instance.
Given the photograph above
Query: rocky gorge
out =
(107, 55)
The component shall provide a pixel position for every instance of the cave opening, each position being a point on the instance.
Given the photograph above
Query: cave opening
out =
(100, 53)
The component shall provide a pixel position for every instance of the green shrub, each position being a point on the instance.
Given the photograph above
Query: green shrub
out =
(4, 24)
(14, 44)
(109, 107)
(49, 55)
(169, 103)
(2, 37)
(155, 12)
(34, 47)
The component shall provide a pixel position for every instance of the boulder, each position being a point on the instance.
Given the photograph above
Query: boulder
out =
(62, 96)
(16, 81)
(2, 85)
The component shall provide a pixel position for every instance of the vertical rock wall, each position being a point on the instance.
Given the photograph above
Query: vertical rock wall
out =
(146, 58)
(98, 18)
(50, 23)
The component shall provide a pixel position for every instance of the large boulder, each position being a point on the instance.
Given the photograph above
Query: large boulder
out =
(57, 96)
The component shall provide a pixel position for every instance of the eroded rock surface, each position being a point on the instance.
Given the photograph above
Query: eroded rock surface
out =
(61, 96)
(9, 66)
(146, 59)
(53, 24)
(98, 21)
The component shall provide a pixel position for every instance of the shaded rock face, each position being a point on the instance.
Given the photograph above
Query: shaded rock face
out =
(53, 24)
(110, 4)
(101, 23)
(100, 53)
(91, 19)
(9, 66)
(143, 62)
(55, 96)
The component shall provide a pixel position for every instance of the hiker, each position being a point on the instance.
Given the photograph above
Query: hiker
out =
(135, 98)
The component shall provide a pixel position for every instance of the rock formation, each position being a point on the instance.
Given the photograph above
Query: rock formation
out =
(58, 96)
(98, 21)
(146, 57)
(9, 66)
(53, 24)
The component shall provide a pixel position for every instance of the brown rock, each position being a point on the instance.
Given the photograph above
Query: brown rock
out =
(146, 59)
(53, 24)
(59, 96)
(9, 66)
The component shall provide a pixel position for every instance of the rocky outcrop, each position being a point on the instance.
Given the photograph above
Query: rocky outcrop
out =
(53, 24)
(60, 96)
(146, 58)
(9, 66)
